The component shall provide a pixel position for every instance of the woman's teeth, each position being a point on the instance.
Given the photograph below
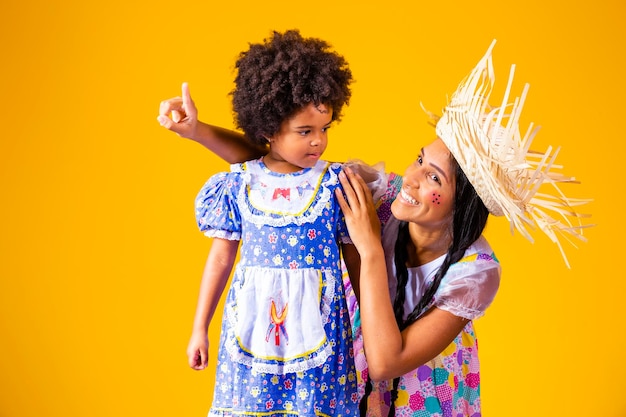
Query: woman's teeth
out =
(407, 197)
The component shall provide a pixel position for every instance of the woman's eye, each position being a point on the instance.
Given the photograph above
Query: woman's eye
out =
(435, 178)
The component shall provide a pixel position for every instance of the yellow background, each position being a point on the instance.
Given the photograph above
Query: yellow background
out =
(100, 258)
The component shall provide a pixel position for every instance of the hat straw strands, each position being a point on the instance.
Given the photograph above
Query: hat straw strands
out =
(507, 175)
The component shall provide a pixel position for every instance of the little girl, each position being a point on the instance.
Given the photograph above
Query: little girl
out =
(286, 344)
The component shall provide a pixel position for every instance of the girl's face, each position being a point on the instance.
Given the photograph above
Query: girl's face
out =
(428, 187)
(301, 141)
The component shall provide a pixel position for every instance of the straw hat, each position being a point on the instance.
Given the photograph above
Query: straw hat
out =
(507, 175)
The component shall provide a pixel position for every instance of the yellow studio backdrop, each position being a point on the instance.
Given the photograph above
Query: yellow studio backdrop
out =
(100, 257)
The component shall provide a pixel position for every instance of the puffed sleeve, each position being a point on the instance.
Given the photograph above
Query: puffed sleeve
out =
(373, 175)
(470, 286)
(331, 181)
(217, 213)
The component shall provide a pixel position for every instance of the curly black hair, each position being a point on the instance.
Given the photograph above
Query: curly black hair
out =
(277, 78)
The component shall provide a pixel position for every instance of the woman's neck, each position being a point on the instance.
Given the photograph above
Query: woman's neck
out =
(426, 245)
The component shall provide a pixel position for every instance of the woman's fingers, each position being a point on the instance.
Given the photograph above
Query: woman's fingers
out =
(355, 188)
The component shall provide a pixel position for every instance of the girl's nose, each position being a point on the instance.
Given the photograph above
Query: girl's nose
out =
(316, 140)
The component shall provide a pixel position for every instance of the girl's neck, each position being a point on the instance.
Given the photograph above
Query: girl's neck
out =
(279, 166)
(426, 245)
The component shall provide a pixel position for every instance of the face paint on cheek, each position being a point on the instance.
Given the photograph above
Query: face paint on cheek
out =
(436, 198)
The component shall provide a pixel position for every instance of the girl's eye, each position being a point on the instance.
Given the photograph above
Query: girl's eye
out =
(419, 160)
(304, 132)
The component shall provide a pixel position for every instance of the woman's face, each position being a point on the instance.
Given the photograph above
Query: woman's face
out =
(428, 187)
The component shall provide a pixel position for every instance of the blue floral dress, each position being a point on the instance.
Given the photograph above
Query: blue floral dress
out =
(286, 343)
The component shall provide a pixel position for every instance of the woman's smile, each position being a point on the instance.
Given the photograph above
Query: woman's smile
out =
(407, 198)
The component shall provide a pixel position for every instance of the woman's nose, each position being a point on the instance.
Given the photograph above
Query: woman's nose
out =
(411, 183)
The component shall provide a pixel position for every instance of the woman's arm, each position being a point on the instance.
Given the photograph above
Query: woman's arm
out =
(180, 115)
(389, 352)
(216, 272)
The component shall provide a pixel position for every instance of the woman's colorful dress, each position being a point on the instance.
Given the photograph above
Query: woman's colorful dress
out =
(286, 343)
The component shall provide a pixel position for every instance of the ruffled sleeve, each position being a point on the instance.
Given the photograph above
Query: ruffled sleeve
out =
(217, 212)
(331, 181)
(470, 285)
(373, 175)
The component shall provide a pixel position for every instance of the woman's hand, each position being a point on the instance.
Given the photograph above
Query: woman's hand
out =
(359, 211)
(179, 114)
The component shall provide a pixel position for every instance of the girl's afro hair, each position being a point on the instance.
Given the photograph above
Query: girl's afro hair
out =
(277, 78)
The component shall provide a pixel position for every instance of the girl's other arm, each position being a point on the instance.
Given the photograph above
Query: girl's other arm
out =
(180, 115)
(353, 265)
(216, 272)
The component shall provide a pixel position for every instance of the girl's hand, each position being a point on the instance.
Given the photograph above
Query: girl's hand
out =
(179, 114)
(359, 211)
(198, 351)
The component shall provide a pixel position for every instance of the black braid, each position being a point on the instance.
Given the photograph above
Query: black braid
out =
(363, 402)
(394, 397)
(402, 275)
(401, 257)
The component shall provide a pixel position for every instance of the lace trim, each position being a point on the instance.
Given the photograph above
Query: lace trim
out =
(279, 368)
(460, 310)
(223, 234)
(228, 412)
(310, 214)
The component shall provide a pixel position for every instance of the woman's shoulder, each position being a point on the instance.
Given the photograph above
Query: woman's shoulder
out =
(471, 284)
(480, 251)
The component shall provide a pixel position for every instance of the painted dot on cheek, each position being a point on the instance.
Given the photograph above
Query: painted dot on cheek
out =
(436, 198)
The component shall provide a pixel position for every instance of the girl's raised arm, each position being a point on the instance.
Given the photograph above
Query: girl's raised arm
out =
(180, 115)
